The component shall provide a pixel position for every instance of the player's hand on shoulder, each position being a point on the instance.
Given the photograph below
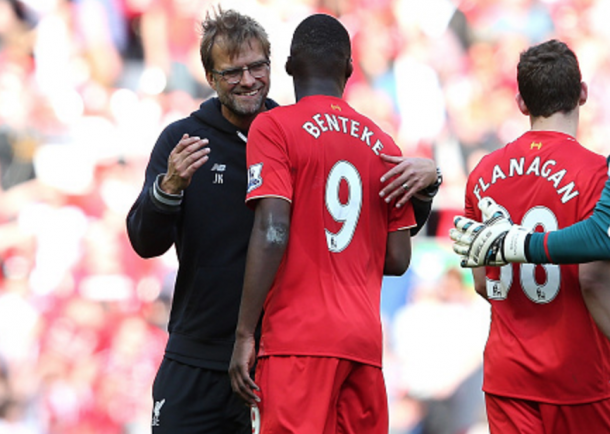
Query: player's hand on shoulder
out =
(187, 156)
(496, 241)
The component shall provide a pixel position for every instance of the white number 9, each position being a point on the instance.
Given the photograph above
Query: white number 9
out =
(347, 213)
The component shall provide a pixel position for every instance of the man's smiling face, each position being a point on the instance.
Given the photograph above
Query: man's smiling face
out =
(241, 101)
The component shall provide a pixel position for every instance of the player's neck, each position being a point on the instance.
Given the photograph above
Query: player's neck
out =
(317, 86)
(560, 122)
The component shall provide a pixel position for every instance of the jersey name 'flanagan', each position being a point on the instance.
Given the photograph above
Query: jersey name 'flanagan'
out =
(326, 122)
(537, 167)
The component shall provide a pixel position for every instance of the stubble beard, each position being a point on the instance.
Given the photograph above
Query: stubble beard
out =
(242, 109)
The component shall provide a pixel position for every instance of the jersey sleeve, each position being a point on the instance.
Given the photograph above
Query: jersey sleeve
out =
(269, 173)
(585, 241)
(471, 209)
(402, 218)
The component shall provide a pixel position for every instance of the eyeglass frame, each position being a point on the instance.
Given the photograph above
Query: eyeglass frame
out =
(243, 69)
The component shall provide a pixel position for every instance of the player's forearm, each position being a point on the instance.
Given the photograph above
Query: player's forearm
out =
(267, 246)
(261, 268)
(582, 242)
(585, 241)
(480, 282)
(593, 279)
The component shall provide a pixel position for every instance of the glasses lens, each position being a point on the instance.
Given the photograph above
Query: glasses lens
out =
(258, 69)
(233, 75)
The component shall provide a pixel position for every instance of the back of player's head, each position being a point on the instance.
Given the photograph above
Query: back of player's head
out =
(234, 30)
(549, 78)
(321, 44)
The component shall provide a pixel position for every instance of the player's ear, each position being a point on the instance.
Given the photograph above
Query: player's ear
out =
(349, 68)
(288, 66)
(521, 104)
(584, 93)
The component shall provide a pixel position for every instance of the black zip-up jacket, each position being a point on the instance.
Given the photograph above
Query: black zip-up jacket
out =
(210, 229)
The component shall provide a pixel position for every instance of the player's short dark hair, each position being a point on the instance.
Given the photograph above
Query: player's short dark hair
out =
(321, 40)
(549, 78)
(235, 30)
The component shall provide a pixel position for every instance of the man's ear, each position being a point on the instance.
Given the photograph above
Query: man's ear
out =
(288, 66)
(521, 104)
(349, 68)
(584, 93)
(210, 79)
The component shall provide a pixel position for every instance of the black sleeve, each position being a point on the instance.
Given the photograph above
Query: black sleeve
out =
(151, 227)
(422, 209)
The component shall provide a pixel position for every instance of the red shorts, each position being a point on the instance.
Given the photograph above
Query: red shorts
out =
(519, 416)
(320, 395)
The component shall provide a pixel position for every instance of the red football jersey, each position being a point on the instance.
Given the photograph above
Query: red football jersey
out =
(543, 345)
(323, 157)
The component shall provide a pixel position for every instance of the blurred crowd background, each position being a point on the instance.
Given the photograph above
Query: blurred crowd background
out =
(87, 85)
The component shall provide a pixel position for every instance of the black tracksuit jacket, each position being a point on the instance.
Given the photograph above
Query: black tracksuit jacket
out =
(211, 231)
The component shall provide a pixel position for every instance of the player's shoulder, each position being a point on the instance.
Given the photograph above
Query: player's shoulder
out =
(595, 156)
(275, 115)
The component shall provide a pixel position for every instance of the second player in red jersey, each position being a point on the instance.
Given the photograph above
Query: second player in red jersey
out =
(541, 333)
(322, 240)
(330, 277)
(546, 363)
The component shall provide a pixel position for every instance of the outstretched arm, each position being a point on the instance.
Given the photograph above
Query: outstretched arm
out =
(585, 241)
(498, 241)
(267, 246)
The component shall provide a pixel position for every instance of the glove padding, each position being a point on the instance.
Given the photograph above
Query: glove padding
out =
(496, 241)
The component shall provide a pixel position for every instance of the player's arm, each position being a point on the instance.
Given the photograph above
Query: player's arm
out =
(480, 285)
(398, 253)
(268, 243)
(498, 241)
(585, 241)
(594, 278)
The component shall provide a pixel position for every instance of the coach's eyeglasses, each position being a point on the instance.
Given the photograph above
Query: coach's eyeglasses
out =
(233, 75)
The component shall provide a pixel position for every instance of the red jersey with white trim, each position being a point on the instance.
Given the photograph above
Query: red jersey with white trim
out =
(323, 157)
(543, 344)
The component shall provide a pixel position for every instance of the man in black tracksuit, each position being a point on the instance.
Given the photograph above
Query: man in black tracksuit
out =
(193, 198)
(210, 228)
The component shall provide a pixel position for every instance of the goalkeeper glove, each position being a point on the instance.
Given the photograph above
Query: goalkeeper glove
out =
(496, 241)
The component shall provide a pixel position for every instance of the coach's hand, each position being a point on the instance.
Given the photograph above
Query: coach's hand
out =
(496, 241)
(408, 176)
(242, 361)
(187, 156)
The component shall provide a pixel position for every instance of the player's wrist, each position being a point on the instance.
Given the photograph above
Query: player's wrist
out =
(515, 242)
(528, 257)
(244, 333)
